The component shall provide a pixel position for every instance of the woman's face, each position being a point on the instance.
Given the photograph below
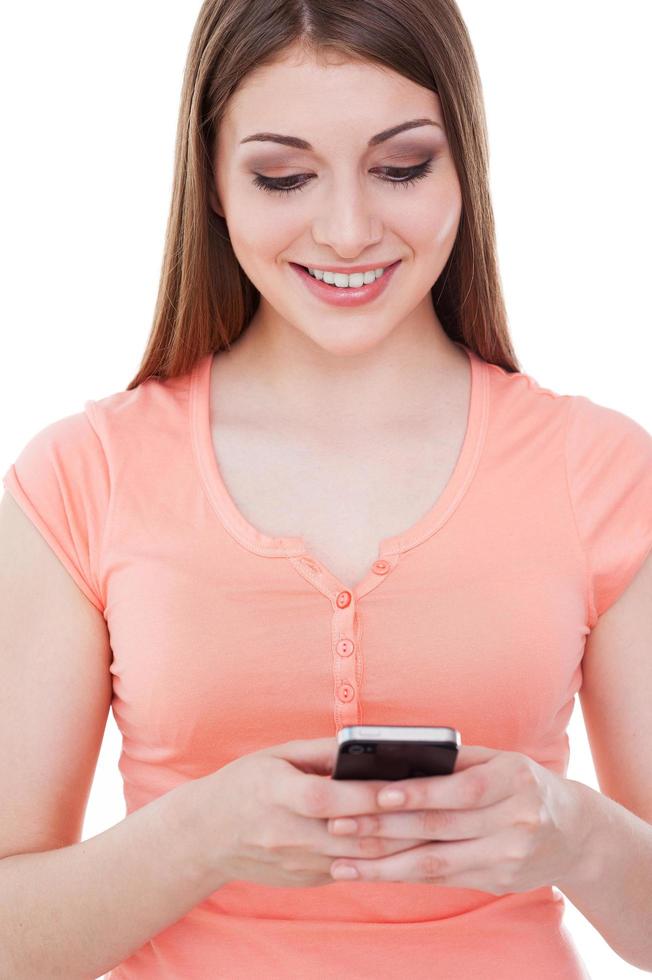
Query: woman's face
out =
(352, 205)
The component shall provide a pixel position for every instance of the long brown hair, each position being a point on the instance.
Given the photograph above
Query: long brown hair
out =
(205, 299)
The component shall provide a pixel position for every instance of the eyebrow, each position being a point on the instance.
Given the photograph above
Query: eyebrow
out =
(300, 144)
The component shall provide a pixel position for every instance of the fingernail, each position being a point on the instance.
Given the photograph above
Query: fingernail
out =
(344, 825)
(344, 871)
(391, 797)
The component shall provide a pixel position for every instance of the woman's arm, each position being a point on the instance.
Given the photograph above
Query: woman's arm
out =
(617, 899)
(78, 911)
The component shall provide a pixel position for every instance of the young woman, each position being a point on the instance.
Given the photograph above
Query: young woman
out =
(329, 496)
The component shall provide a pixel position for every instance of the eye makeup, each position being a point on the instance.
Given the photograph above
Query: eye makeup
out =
(277, 157)
(404, 176)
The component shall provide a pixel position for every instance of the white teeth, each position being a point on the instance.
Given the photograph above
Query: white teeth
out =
(343, 280)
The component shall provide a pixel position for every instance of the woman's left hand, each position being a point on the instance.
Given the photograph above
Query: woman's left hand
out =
(512, 826)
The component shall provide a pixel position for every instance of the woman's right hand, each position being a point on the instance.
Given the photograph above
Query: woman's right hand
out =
(264, 816)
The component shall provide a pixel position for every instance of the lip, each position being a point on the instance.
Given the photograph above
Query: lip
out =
(348, 295)
(348, 269)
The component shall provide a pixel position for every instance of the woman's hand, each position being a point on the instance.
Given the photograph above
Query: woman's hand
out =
(510, 824)
(263, 817)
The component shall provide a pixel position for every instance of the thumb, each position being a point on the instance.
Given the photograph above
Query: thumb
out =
(314, 755)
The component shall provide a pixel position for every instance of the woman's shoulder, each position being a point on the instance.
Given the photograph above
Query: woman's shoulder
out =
(584, 419)
(155, 395)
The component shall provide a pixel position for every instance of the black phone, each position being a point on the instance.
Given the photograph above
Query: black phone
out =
(395, 751)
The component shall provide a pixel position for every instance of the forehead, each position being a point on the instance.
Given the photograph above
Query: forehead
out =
(324, 102)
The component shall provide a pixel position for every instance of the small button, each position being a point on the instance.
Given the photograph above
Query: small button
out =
(346, 693)
(345, 648)
(343, 599)
(381, 567)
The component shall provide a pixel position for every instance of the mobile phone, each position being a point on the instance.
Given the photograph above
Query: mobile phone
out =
(395, 751)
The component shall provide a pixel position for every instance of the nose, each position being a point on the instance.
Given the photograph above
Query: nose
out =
(349, 222)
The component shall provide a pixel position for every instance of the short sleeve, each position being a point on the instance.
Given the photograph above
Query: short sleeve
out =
(61, 481)
(609, 468)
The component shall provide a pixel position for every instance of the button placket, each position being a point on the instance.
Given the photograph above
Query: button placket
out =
(346, 692)
(345, 627)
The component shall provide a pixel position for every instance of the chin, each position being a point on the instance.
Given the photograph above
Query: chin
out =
(348, 342)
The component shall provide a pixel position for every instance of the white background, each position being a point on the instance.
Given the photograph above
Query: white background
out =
(90, 95)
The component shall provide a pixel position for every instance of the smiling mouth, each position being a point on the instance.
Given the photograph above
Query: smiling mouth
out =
(342, 294)
(345, 272)
(344, 286)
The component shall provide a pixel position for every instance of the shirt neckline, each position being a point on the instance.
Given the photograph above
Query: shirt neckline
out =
(260, 543)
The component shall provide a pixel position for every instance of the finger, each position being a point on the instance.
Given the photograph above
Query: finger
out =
(429, 863)
(317, 796)
(424, 825)
(478, 786)
(311, 835)
(316, 755)
(353, 848)
(473, 755)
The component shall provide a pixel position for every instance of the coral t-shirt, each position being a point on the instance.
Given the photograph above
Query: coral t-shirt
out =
(226, 639)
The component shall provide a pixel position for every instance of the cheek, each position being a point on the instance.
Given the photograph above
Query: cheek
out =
(257, 245)
(255, 248)
(449, 212)
(430, 223)
(265, 236)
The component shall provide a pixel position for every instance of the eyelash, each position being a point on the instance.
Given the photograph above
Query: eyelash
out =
(274, 185)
